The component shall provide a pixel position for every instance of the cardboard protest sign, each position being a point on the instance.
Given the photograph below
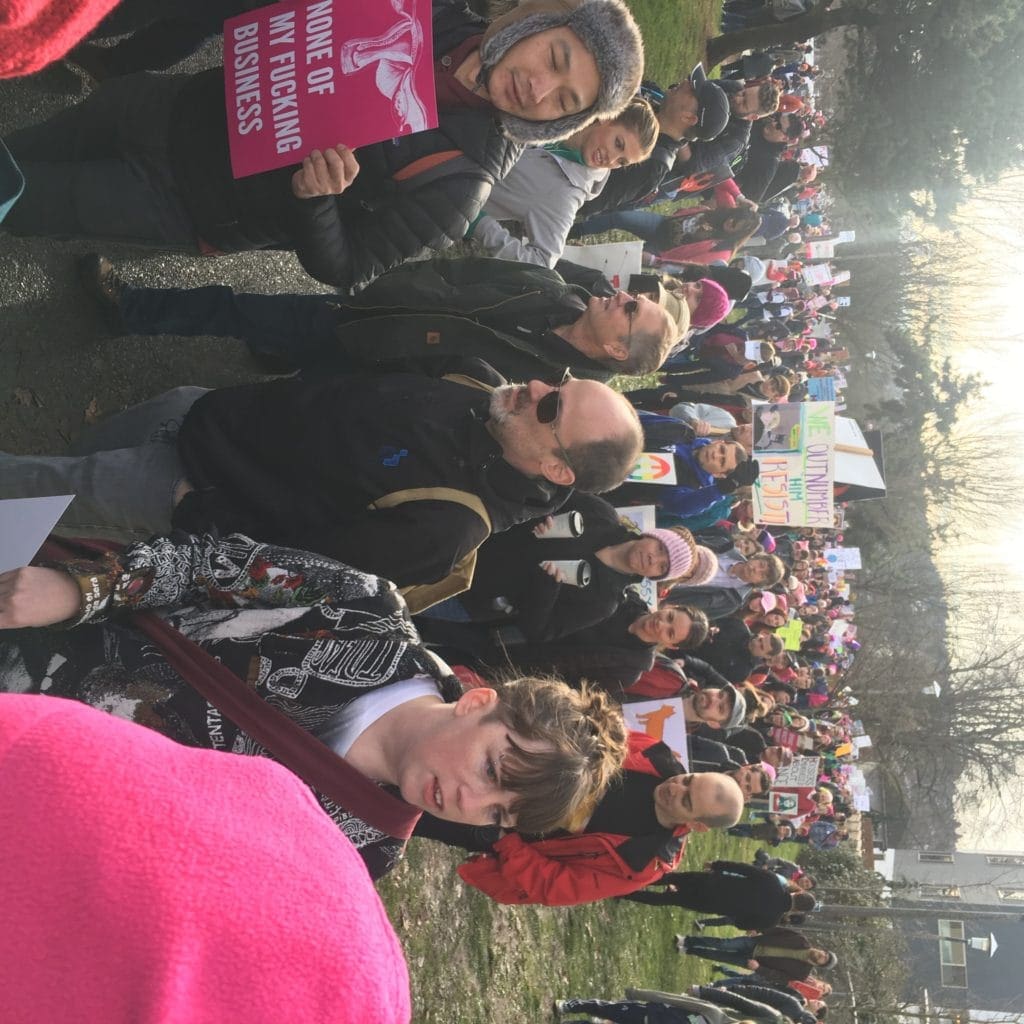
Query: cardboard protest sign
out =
(818, 155)
(821, 389)
(801, 774)
(790, 803)
(819, 273)
(846, 236)
(663, 720)
(654, 468)
(794, 444)
(842, 558)
(783, 737)
(305, 76)
(643, 518)
(618, 261)
(792, 792)
(790, 634)
(24, 524)
(823, 250)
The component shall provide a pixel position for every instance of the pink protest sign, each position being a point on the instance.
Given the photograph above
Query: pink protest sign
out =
(305, 76)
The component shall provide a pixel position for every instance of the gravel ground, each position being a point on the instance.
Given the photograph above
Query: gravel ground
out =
(61, 364)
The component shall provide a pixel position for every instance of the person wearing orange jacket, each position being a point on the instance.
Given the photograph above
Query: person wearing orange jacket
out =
(635, 834)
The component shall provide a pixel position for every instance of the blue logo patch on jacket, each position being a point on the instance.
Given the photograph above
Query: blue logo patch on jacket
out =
(390, 456)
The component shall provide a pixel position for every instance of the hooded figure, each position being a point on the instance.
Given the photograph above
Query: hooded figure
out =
(150, 156)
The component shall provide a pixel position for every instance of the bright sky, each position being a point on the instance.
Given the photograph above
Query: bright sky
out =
(991, 342)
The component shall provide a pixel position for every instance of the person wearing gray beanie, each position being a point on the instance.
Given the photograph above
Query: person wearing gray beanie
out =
(608, 34)
(151, 157)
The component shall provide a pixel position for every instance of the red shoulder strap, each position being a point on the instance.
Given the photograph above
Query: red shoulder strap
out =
(298, 750)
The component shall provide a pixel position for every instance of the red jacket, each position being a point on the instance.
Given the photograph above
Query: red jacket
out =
(567, 870)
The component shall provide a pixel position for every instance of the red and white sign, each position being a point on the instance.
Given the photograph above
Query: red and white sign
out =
(305, 76)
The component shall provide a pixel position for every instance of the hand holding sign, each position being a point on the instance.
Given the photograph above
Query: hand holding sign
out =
(325, 174)
(37, 597)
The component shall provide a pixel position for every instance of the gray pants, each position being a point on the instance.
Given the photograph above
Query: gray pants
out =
(124, 473)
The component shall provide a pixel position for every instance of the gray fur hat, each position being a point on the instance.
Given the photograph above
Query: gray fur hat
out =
(606, 29)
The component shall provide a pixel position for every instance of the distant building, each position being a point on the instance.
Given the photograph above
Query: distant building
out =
(971, 903)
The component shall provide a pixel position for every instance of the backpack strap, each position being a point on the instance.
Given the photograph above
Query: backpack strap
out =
(465, 498)
(469, 382)
(428, 169)
(298, 750)
(420, 596)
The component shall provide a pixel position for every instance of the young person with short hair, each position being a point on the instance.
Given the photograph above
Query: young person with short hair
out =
(150, 159)
(330, 647)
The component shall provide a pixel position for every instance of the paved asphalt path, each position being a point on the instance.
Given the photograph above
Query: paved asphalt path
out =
(60, 361)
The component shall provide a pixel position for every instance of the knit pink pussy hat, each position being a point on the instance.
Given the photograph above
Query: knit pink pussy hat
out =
(34, 33)
(169, 883)
(687, 560)
(714, 304)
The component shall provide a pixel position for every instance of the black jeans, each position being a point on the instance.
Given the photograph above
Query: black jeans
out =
(101, 169)
(295, 328)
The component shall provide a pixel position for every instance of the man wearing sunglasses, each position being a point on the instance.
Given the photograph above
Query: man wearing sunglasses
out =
(524, 321)
(400, 475)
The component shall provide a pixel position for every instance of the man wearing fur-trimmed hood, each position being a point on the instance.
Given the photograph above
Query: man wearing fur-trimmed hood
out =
(149, 153)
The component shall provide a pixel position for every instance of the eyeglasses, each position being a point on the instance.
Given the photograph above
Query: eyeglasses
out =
(630, 308)
(549, 407)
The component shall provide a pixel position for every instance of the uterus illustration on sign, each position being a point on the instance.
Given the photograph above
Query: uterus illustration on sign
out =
(396, 54)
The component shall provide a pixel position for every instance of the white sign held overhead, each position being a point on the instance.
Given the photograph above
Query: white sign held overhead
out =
(618, 261)
(643, 518)
(24, 524)
(662, 720)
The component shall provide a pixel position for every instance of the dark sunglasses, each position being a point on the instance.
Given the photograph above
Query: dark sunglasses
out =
(549, 407)
(791, 131)
(630, 309)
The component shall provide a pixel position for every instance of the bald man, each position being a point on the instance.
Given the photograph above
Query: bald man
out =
(399, 475)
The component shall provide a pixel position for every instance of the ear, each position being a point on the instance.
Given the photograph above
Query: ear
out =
(699, 826)
(689, 119)
(480, 699)
(616, 350)
(554, 469)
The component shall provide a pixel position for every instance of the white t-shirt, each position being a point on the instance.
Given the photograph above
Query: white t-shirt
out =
(351, 722)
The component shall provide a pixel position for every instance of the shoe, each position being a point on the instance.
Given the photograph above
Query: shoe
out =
(681, 943)
(718, 969)
(100, 280)
(559, 1005)
(698, 926)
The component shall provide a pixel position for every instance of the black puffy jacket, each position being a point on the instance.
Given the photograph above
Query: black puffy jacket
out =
(376, 224)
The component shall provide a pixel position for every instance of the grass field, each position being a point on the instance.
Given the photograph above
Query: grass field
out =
(675, 32)
(475, 962)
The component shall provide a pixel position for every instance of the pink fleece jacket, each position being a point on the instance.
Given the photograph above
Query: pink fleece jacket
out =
(147, 882)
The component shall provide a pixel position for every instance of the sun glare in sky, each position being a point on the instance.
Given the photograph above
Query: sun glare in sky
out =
(988, 331)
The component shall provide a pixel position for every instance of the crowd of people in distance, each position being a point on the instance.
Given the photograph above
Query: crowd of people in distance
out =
(413, 574)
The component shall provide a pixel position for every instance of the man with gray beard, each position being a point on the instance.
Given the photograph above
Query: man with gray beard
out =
(399, 475)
